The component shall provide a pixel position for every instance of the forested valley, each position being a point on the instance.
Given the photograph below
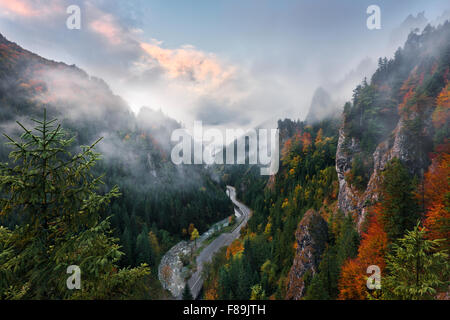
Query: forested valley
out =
(370, 188)
(154, 201)
(85, 182)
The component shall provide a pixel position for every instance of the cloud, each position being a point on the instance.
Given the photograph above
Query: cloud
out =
(271, 76)
(186, 82)
(400, 33)
(188, 63)
(148, 60)
(106, 27)
(212, 113)
(30, 8)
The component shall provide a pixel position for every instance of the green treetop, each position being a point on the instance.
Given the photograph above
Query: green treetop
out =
(55, 196)
(417, 268)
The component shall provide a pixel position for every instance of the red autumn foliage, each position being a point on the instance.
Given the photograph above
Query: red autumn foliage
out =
(306, 140)
(437, 199)
(441, 114)
(372, 251)
(352, 281)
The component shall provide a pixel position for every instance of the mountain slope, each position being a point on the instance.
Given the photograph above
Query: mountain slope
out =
(395, 116)
(159, 200)
(364, 176)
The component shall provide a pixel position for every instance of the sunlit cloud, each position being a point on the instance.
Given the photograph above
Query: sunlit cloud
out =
(272, 76)
(188, 63)
(106, 26)
(199, 70)
(30, 8)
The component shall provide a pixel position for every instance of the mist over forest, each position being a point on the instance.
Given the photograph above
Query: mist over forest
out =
(87, 177)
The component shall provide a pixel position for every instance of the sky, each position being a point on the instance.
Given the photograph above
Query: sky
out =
(228, 63)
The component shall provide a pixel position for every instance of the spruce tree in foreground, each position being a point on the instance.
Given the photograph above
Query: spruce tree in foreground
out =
(56, 198)
(417, 268)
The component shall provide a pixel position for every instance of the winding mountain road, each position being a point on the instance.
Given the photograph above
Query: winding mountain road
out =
(225, 239)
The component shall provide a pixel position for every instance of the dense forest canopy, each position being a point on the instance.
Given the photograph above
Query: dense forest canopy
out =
(402, 109)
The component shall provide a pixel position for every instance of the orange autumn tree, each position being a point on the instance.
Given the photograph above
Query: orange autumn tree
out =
(441, 114)
(306, 140)
(437, 199)
(234, 248)
(352, 281)
(319, 137)
(211, 293)
(372, 250)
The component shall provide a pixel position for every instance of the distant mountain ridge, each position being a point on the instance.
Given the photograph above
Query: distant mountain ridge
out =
(321, 107)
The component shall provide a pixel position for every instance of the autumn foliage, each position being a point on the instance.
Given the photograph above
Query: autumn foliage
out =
(437, 199)
(372, 250)
(352, 281)
(441, 114)
(211, 293)
(234, 248)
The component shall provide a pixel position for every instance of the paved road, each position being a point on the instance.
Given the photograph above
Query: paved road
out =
(225, 239)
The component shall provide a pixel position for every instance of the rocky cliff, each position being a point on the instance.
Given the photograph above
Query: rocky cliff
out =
(401, 112)
(393, 116)
(311, 237)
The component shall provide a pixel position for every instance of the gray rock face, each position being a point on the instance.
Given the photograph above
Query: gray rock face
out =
(401, 145)
(171, 272)
(347, 199)
(311, 237)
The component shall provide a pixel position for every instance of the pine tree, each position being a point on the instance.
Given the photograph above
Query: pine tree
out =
(143, 249)
(154, 244)
(348, 241)
(55, 195)
(127, 247)
(324, 285)
(399, 207)
(417, 268)
(187, 295)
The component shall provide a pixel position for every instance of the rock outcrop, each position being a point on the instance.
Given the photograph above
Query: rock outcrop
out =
(400, 145)
(171, 271)
(395, 117)
(311, 237)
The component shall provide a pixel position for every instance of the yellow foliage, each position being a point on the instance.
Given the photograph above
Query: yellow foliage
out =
(319, 136)
(268, 228)
(194, 234)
